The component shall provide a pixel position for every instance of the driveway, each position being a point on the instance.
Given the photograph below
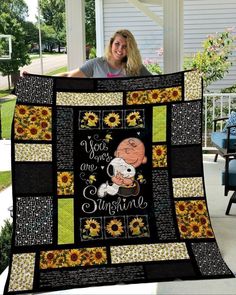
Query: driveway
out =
(50, 63)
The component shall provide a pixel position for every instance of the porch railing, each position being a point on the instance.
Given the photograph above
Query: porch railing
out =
(215, 105)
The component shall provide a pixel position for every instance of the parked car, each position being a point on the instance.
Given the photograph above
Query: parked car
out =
(62, 49)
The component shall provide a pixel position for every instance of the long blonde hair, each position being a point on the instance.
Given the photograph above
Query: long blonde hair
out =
(133, 62)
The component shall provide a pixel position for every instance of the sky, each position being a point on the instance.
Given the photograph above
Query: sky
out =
(32, 9)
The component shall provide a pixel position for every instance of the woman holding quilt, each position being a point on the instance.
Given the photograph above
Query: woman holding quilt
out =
(122, 58)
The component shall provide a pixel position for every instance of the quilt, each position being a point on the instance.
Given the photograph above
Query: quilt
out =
(108, 184)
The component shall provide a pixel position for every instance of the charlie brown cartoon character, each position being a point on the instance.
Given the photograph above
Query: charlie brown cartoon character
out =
(129, 154)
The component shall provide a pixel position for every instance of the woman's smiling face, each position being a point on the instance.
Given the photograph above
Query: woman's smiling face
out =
(119, 48)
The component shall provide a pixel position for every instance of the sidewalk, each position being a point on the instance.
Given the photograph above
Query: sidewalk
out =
(5, 155)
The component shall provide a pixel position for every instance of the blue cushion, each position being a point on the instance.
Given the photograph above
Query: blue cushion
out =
(231, 121)
(232, 173)
(220, 139)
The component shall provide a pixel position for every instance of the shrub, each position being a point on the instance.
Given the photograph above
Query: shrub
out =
(5, 244)
(153, 66)
(213, 61)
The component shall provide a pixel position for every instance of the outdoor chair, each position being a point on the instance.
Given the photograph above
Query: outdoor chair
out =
(229, 178)
(224, 141)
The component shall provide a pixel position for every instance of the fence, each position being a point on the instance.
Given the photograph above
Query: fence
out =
(215, 105)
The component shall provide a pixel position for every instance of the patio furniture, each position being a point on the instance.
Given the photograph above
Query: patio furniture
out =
(229, 178)
(224, 141)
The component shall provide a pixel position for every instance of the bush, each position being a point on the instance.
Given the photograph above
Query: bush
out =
(92, 52)
(5, 244)
(152, 66)
(213, 61)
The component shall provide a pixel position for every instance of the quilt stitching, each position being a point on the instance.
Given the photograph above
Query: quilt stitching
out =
(106, 187)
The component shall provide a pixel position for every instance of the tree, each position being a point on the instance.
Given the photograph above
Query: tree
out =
(31, 33)
(90, 26)
(12, 15)
(53, 14)
(48, 36)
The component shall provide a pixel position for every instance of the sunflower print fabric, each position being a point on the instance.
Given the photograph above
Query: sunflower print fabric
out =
(91, 228)
(65, 183)
(193, 220)
(154, 96)
(108, 184)
(159, 156)
(33, 123)
(73, 257)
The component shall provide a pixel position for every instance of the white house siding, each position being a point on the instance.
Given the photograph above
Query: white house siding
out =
(201, 18)
(148, 34)
(204, 17)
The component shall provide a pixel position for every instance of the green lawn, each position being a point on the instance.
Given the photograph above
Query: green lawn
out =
(57, 71)
(5, 179)
(7, 112)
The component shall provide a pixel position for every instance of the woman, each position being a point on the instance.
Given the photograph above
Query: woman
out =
(122, 58)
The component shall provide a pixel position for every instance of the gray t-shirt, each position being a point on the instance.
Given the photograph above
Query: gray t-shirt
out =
(99, 68)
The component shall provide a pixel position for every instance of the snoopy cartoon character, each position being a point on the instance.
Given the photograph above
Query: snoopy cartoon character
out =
(130, 154)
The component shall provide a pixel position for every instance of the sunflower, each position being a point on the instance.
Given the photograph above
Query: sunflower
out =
(93, 226)
(181, 208)
(33, 131)
(115, 228)
(191, 206)
(192, 215)
(159, 152)
(195, 229)
(73, 257)
(45, 112)
(64, 179)
(99, 256)
(47, 135)
(154, 96)
(19, 131)
(201, 208)
(44, 124)
(22, 111)
(135, 97)
(112, 120)
(50, 256)
(183, 229)
(203, 220)
(33, 118)
(135, 225)
(132, 118)
(91, 118)
(47, 259)
(209, 233)
(176, 93)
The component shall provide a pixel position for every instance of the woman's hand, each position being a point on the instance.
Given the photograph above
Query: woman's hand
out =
(24, 73)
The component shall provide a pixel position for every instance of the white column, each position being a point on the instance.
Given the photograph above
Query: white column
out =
(173, 35)
(75, 31)
(99, 27)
